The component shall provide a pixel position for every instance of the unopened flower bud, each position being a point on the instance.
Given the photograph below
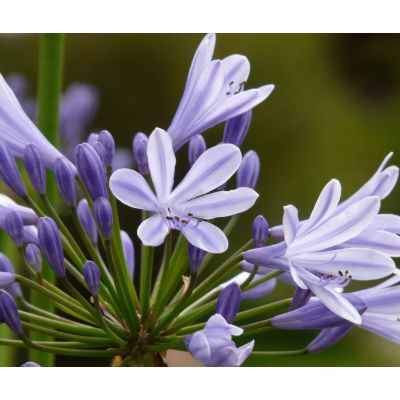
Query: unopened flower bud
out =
(9, 312)
(260, 231)
(229, 302)
(196, 257)
(50, 242)
(93, 138)
(91, 170)
(249, 170)
(34, 167)
(65, 178)
(30, 364)
(87, 221)
(91, 273)
(107, 140)
(14, 226)
(197, 146)
(139, 147)
(34, 257)
(100, 150)
(236, 129)
(9, 173)
(103, 216)
(129, 252)
(328, 337)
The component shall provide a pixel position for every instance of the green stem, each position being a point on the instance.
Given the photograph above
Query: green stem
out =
(49, 94)
(287, 353)
(264, 310)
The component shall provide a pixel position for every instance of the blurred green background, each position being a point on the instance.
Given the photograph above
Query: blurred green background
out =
(334, 114)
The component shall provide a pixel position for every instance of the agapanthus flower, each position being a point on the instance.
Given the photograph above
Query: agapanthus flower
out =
(187, 206)
(379, 306)
(17, 130)
(213, 346)
(214, 93)
(339, 242)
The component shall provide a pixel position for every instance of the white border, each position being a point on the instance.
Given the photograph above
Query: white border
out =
(200, 16)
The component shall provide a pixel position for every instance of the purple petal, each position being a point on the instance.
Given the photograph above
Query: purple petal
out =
(206, 236)
(130, 188)
(213, 168)
(6, 278)
(199, 348)
(386, 222)
(153, 230)
(339, 229)
(161, 158)
(290, 223)
(361, 264)
(244, 351)
(221, 204)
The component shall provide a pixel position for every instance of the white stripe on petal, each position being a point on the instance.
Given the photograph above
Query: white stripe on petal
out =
(130, 188)
(221, 204)
(206, 236)
(161, 158)
(153, 230)
(213, 168)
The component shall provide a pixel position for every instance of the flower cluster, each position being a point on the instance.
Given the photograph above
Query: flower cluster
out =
(107, 304)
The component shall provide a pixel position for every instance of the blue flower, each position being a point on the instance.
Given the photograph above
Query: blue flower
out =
(213, 346)
(214, 93)
(338, 242)
(187, 206)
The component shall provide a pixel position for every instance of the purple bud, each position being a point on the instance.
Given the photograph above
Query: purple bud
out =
(30, 364)
(103, 216)
(197, 146)
(9, 173)
(260, 231)
(34, 257)
(14, 226)
(87, 221)
(9, 312)
(93, 138)
(50, 242)
(129, 252)
(65, 179)
(229, 302)
(91, 170)
(100, 150)
(196, 257)
(236, 129)
(91, 273)
(328, 337)
(34, 166)
(7, 276)
(139, 147)
(300, 298)
(249, 170)
(107, 140)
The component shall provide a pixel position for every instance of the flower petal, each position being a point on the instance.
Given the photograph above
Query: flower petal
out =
(290, 223)
(6, 278)
(386, 242)
(130, 188)
(244, 351)
(206, 236)
(383, 325)
(213, 168)
(262, 255)
(199, 348)
(236, 69)
(153, 230)
(161, 158)
(221, 204)
(340, 228)
(336, 302)
(386, 222)
(361, 264)
(324, 207)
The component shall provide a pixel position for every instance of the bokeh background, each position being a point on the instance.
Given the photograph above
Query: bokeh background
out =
(334, 114)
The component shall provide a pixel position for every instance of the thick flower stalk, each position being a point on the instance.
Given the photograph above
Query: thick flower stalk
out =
(134, 301)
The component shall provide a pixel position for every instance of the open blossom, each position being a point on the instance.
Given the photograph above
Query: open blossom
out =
(338, 242)
(187, 206)
(17, 130)
(213, 346)
(214, 93)
(379, 306)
